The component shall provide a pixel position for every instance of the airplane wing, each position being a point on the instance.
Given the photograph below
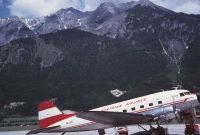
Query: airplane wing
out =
(115, 119)
(42, 130)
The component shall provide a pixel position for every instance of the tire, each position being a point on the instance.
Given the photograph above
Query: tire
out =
(153, 131)
(160, 130)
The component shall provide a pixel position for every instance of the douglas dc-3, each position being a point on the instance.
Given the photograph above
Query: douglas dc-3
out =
(160, 106)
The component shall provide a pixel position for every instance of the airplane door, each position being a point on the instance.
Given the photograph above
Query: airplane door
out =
(175, 99)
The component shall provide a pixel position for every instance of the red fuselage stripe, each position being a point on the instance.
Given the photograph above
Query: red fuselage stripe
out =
(51, 120)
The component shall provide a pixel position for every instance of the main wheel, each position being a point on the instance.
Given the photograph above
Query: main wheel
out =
(153, 131)
(160, 130)
(101, 132)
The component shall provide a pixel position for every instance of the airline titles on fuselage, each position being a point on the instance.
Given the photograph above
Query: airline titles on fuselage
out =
(117, 106)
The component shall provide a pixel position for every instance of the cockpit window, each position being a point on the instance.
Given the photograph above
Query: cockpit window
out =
(181, 94)
(186, 93)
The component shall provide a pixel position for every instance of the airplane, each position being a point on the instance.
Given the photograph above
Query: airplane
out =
(160, 106)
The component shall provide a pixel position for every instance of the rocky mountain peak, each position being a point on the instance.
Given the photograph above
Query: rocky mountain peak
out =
(132, 4)
(8, 20)
(145, 3)
(68, 11)
(106, 19)
(108, 6)
(103, 12)
(126, 6)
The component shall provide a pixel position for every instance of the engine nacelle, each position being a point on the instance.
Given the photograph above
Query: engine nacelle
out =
(165, 113)
(168, 113)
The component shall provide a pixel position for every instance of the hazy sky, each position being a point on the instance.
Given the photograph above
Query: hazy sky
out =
(36, 8)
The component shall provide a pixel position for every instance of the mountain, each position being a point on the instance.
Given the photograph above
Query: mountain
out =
(95, 21)
(168, 32)
(62, 19)
(13, 28)
(73, 63)
(78, 57)
(108, 19)
(104, 12)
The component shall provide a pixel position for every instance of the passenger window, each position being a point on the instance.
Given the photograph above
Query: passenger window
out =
(133, 108)
(150, 104)
(125, 111)
(142, 106)
(159, 102)
(181, 94)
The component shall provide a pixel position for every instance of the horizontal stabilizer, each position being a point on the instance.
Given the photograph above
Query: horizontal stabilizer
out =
(115, 119)
(42, 130)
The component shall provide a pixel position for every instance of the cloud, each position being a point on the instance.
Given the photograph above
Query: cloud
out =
(92, 4)
(189, 7)
(185, 6)
(36, 8)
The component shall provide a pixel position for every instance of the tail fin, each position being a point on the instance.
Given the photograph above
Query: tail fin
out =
(49, 114)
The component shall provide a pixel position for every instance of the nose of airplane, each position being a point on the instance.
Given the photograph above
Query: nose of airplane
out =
(198, 98)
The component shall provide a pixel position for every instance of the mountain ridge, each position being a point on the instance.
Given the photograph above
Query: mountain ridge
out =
(73, 18)
(141, 50)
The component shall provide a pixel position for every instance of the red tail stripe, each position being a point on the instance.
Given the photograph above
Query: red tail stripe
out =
(54, 119)
(45, 105)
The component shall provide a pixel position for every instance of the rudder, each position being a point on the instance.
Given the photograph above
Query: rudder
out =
(49, 114)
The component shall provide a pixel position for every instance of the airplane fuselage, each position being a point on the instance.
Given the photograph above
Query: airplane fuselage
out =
(159, 104)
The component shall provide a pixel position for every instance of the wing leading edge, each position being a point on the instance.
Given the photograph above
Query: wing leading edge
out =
(115, 119)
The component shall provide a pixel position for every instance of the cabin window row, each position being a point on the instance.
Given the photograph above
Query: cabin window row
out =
(142, 106)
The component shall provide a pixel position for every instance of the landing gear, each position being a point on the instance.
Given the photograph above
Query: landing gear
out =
(157, 131)
(101, 132)
(152, 131)
(160, 130)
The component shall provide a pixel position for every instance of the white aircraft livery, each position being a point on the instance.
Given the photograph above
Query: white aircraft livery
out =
(160, 106)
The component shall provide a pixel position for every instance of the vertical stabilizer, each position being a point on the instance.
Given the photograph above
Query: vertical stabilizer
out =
(49, 114)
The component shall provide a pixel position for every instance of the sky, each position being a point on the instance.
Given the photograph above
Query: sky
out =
(37, 8)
